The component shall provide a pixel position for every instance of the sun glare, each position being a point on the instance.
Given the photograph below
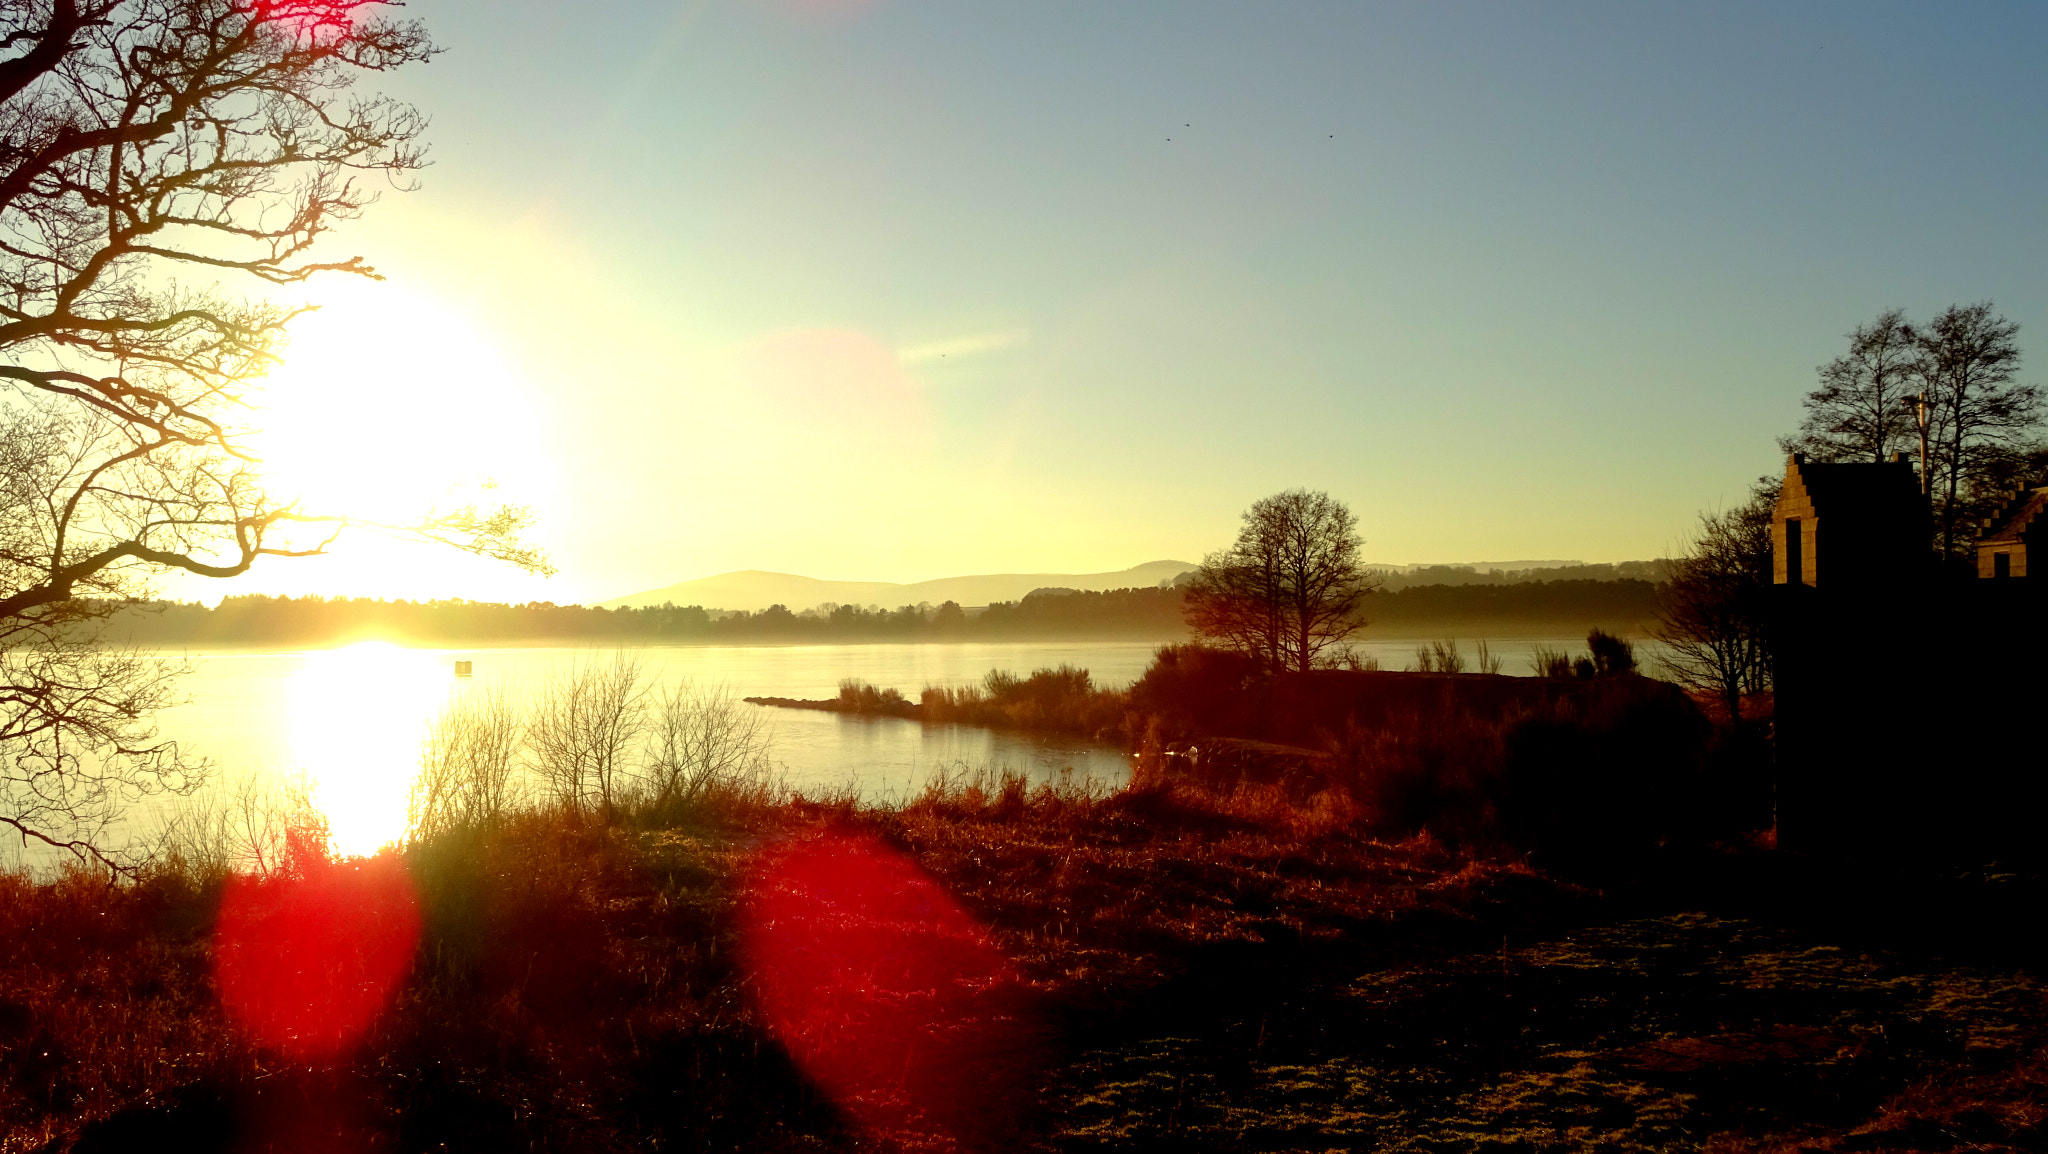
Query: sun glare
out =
(388, 402)
(358, 717)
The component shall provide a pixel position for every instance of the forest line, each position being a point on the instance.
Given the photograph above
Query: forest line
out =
(1156, 613)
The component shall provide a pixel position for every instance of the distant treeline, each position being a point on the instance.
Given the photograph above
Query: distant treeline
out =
(256, 619)
(1654, 572)
(1152, 613)
(1623, 604)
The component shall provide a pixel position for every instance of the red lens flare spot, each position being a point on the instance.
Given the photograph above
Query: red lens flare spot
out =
(884, 990)
(314, 21)
(305, 964)
(832, 375)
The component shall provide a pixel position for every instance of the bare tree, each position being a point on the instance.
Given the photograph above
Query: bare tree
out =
(1235, 597)
(467, 766)
(1290, 588)
(702, 736)
(148, 147)
(1712, 613)
(1863, 409)
(584, 727)
(1980, 415)
(1996, 470)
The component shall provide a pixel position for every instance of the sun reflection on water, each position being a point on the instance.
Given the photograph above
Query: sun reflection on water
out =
(358, 716)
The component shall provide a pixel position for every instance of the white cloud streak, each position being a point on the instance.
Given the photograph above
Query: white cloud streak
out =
(961, 347)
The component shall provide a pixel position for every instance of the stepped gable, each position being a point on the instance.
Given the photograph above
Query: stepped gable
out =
(2002, 547)
(1875, 519)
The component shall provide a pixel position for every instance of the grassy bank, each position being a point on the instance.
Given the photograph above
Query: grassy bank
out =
(581, 986)
(1207, 968)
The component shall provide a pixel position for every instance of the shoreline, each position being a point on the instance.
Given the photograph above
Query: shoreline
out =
(1463, 631)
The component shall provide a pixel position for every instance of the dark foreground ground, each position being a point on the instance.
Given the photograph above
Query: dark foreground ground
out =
(1177, 971)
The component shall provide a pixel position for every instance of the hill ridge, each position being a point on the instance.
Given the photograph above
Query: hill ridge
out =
(756, 589)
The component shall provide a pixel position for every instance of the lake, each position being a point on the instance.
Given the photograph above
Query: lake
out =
(353, 718)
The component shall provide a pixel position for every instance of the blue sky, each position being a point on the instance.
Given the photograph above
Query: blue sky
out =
(909, 288)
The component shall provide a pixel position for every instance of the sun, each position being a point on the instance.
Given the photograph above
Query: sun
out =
(388, 403)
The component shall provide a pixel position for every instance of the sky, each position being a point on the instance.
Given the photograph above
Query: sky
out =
(901, 289)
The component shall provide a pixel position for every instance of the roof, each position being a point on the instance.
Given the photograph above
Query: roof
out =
(1860, 486)
(2014, 517)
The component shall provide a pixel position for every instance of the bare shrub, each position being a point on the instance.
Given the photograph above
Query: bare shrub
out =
(857, 696)
(1548, 662)
(704, 738)
(1489, 663)
(265, 828)
(467, 766)
(1445, 656)
(1062, 698)
(1351, 659)
(1612, 656)
(584, 726)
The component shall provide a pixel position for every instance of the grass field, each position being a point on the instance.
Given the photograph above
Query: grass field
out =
(1165, 967)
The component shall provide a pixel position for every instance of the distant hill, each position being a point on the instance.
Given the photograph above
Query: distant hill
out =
(1478, 566)
(754, 590)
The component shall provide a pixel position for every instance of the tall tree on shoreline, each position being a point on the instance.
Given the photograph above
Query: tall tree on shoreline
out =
(1290, 588)
(146, 148)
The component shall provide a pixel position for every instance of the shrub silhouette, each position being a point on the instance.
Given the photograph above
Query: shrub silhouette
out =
(1612, 656)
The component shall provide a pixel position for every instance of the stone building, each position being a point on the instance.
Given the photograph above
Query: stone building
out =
(1849, 525)
(2002, 547)
(1888, 665)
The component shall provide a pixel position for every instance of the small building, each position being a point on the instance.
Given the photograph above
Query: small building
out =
(1882, 655)
(1849, 525)
(2003, 546)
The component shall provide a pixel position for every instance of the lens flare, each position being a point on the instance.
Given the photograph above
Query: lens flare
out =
(838, 377)
(884, 990)
(305, 964)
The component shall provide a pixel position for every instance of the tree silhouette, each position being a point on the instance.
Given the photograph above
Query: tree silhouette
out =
(1981, 421)
(1290, 588)
(1713, 614)
(148, 148)
(1980, 414)
(1863, 409)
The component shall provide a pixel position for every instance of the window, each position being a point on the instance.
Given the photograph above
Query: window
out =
(1795, 553)
(2001, 564)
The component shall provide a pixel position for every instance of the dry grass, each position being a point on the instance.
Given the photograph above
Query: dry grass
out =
(1222, 966)
(1061, 699)
(576, 984)
(104, 1000)
(1104, 898)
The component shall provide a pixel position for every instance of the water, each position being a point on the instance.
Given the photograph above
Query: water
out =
(352, 719)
